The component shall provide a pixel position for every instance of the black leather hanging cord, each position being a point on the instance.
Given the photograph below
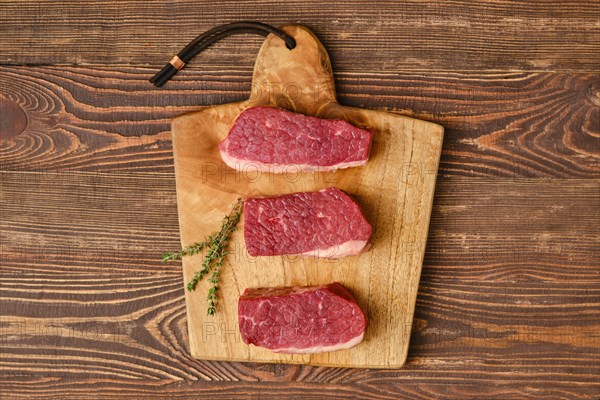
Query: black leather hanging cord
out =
(211, 36)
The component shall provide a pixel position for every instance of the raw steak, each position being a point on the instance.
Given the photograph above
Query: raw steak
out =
(327, 223)
(274, 140)
(309, 319)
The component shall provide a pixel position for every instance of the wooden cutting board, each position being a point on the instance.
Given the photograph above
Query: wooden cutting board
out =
(395, 191)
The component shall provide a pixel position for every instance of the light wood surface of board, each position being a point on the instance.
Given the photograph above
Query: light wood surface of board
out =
(395, 190)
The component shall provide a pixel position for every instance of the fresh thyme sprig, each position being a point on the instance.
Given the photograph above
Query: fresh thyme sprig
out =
(186, 251)
(214, 257)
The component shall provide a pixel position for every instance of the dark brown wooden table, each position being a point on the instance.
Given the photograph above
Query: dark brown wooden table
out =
(509, 300)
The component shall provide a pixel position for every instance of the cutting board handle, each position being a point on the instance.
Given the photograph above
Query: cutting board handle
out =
(299, 80)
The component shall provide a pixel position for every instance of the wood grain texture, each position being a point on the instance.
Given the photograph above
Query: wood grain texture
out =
(384, 280)
(365, 36)
(516, 125)
(508, 304)
(380, 389)
(135, 220)
(88, 308)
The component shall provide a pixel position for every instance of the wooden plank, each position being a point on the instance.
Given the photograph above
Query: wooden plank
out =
(392, 388)
(101, 308)
(481, 229)
(364, 36)
(397, 205)
(518, 125)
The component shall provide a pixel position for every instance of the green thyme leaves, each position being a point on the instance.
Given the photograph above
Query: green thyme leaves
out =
(216, 250)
